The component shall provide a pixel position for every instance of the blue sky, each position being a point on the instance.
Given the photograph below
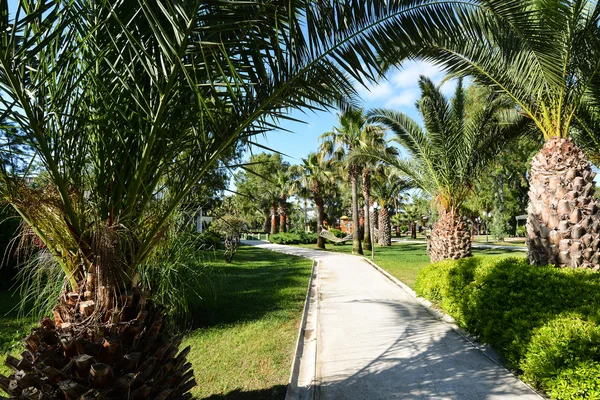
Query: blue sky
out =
(398, 90)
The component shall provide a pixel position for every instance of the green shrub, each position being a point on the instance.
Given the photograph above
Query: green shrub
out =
(543, 320)
(560, 343)
(293, 237)
(209, 239)
(577, 382)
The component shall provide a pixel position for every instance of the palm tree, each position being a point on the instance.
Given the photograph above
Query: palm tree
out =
(286, 185)
(546, 57)
(387, 185)
(315, 175)
(447, 155)
(127, 105)
(352, 132)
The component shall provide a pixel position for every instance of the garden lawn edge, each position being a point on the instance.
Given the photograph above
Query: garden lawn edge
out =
(302, 382)
(487, 350)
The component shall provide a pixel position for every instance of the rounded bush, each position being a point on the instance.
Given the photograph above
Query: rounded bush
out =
(558, 345)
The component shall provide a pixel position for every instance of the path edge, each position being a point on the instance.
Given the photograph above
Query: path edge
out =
(303, 376)
(487, 350)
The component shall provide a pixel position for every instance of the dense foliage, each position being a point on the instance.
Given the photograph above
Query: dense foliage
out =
(543, 320)
(295, 237)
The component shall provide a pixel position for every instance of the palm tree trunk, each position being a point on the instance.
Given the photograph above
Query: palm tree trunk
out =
(385, 238)
(450, 238)
(282, 214)
(367, 197)
(563, 223)
(356, 245)
(320, 218)
(87, 352)
(413, 230)
(273, 219)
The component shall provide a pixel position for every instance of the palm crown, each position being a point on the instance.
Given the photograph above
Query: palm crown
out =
(446, 156)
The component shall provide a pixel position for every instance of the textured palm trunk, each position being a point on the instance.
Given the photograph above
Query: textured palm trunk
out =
(356, 244)
(320, 218)
(366, 187)
(89, 352)
(385, 228)
(413, 230)
(282, 214)
(450, 238)
(273, 219)
(563, 223)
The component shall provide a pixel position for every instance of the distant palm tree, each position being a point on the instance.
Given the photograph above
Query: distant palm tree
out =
(387, 185)
(285, 185)
(447, 155)
(352, 132)
(316, 175)
(545, 55)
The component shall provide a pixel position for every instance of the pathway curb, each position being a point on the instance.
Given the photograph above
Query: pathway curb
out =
(303, 377)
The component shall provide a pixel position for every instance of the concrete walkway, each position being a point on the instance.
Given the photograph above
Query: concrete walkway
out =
(375, 341)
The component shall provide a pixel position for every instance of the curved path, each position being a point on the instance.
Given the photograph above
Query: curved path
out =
(376, 341)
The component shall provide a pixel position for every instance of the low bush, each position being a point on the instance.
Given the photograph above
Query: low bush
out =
(295, 237)
(545, 321)
(209, 239)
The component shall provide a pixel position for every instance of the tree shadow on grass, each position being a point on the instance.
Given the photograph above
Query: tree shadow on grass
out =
(255, 284)
(273, 393)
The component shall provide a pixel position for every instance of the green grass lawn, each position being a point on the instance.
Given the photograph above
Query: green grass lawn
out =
(405, 260)
(244, 338)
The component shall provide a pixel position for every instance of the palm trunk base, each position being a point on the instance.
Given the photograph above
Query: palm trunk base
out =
(563, 224)
(450, 238)
(85, 353)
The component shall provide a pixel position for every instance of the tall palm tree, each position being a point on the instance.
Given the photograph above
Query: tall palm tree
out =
(127, 105)
(316, 175)
(447, 155)
(372, 136)
(352, 132)
(545, 55)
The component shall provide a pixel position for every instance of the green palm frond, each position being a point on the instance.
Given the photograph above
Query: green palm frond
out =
(545, 55)
(129, 104)
(447, 156)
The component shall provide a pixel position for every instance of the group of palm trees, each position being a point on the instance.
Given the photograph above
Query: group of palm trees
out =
(126, 106)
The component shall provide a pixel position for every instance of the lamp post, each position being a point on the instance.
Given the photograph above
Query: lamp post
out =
(372, 230)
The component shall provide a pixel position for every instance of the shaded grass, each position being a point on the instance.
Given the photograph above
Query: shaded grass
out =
(245, 329)
(405, 260)
(244, 345)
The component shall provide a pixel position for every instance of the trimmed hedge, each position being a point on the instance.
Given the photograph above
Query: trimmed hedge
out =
(545, 321)
(293, 238)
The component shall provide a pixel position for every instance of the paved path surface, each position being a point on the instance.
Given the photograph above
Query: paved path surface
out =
(375, 341)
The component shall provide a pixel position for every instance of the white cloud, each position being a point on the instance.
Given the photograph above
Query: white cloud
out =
(376, 91)
(408, 74)
(407, 97)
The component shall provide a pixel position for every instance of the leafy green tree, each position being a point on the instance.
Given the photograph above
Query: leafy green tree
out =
(447, 155)
(127, 105)
(545, 56)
